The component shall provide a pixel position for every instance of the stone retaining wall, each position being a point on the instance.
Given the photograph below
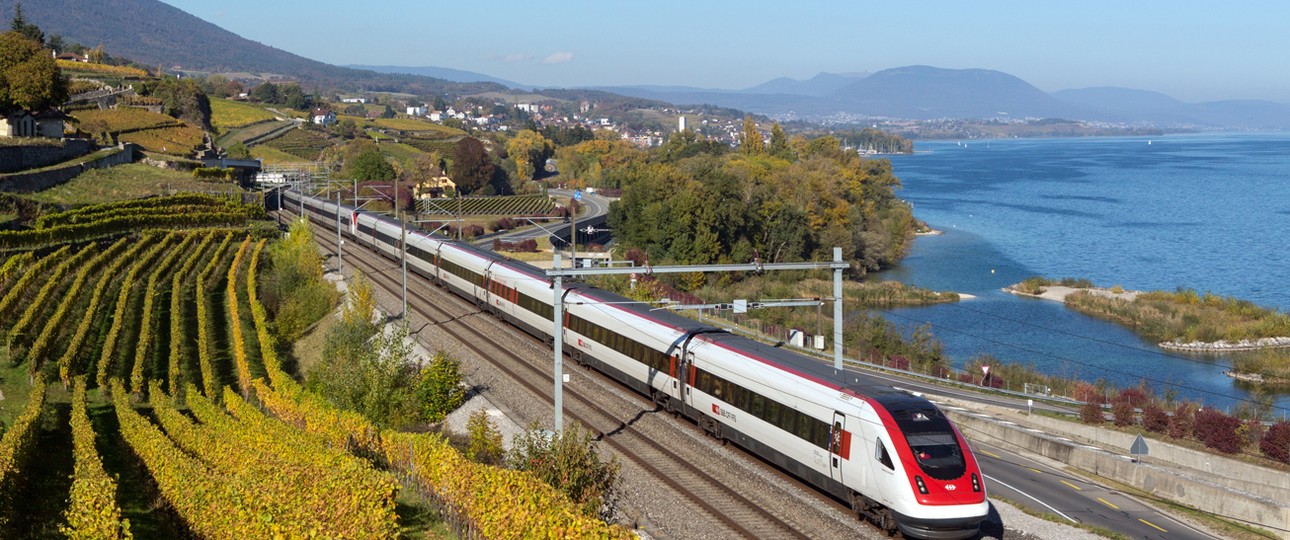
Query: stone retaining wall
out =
(36, 181)
(21, 158)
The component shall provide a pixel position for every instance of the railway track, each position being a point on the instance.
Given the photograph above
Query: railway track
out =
(682, 470)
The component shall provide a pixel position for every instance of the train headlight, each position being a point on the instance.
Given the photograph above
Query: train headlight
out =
(976, 483)
(922, 488)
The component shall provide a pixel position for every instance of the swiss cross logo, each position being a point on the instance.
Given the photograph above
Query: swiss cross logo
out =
(715, 409)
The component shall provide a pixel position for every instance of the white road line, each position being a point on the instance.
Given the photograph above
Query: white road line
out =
(1046, 505)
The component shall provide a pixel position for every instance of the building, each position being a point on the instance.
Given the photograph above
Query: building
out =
(417, 111)
(21, 123)
(324, 117)
(433, 187)
(353, 100)
(680, 124)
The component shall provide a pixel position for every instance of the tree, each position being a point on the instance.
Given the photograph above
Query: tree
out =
(439, 390)
(472, 168)
(239, 151)
(265, 93)
(21, 26)
(388, 112)
(369, 165)
(750, 140)
(779, 142)
(530, 150)
(29, 77)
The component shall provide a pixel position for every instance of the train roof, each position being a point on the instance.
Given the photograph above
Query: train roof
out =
(855, 382)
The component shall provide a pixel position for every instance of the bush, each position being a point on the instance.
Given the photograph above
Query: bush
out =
(1154, 418)
(1123, 413)
(371, 375)
(1183, 421)
(439, 390)
(1276, 442)
(485, 441)
(570, 463)
(1091, 413)
(1218, 430)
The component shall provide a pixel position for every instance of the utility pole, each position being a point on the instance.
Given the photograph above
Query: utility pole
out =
(403, 243)
(558, 344)
(837, 308)
(355, 193)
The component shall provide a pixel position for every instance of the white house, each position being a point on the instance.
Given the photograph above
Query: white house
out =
(324, 117)
(436, 116)
(353, 100)
(21, 123)
(417, 111)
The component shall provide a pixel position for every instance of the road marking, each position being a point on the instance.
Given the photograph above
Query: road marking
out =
(1073, 486)
(1104, 501)
(989, 454)
(1036, 470)
(1046, 505)
(1153, 525)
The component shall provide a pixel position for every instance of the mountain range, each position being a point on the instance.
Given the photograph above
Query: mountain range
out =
(154, 33)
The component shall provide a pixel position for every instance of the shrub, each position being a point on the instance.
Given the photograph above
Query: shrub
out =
(1154, 418)
(1276, 442)
(485, 441)
(1123, 413)
(1136, 396)
(570, 463)
(1091, 413)
(1182, 423)
(439, 390)
(1218, 430)
(1086, 392)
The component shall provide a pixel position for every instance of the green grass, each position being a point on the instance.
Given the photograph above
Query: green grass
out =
(1186, 316)
(400, 152)
(237, 135)
(124, 182)
(272, 156)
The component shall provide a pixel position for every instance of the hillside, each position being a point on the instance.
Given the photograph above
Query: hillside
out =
(924, 92)
(154, 33)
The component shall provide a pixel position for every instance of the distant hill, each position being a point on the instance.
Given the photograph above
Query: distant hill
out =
(447, 74)
(155, 33)
(924, 92)
(820, 85)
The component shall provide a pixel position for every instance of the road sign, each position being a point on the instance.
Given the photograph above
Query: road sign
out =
(589, 230)
(1139, 446)
(577, 194)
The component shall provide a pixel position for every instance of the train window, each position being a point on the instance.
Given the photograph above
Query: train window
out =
(882, 456)
(937, 454)
(758, 405)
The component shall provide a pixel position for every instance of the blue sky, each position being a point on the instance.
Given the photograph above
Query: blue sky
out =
(1194, 51)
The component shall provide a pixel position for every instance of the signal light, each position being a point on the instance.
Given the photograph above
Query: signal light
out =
(922, 488)
(976, 483)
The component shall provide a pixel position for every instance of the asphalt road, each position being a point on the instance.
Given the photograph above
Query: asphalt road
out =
(593, 206)
(1043, 488)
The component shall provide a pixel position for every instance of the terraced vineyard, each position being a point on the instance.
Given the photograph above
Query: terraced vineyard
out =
(182, 421)
(153, 131)
(518, 205)
(302, 143)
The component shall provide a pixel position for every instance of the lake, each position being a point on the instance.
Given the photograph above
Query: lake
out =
(1208, 211)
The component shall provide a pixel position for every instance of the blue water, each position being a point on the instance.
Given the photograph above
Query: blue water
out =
(1210, 212)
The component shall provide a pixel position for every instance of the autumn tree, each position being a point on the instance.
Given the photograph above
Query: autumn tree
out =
(472, 168)
(29, 77)
(779, 142)
(750, 140)
(530, 150)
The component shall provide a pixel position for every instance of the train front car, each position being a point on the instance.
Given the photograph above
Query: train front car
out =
(942, 496)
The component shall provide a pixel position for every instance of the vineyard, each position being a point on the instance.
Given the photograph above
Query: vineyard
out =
(518, 205)
(302, 143)
(146, 397)
(226, 114)
(69, 66)
(153, 131)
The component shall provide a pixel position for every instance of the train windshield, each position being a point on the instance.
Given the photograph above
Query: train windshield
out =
(932, 441)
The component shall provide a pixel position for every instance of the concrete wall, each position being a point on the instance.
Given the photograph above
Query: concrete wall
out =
(1194, 492)
(21, 158)
(36, 181)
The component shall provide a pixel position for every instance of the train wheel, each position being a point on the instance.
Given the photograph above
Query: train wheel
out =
(887, 522)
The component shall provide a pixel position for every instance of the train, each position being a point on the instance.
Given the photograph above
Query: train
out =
(893, 456)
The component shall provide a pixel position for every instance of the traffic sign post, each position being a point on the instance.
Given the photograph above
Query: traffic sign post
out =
(1138, 448)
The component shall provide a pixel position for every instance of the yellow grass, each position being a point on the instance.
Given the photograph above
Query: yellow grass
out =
(121, 119)
(118, 71)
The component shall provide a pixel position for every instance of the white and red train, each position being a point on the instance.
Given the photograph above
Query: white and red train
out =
(894, 456)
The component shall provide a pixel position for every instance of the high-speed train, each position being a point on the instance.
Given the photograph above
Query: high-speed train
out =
(892, 455)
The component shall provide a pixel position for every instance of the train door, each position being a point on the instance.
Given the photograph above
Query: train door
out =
(839, 445)
(687, 382)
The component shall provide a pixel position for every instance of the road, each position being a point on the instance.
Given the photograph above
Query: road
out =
(594, 208)
(1041, 487)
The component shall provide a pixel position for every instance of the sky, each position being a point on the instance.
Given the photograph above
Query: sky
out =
(1194, 51)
